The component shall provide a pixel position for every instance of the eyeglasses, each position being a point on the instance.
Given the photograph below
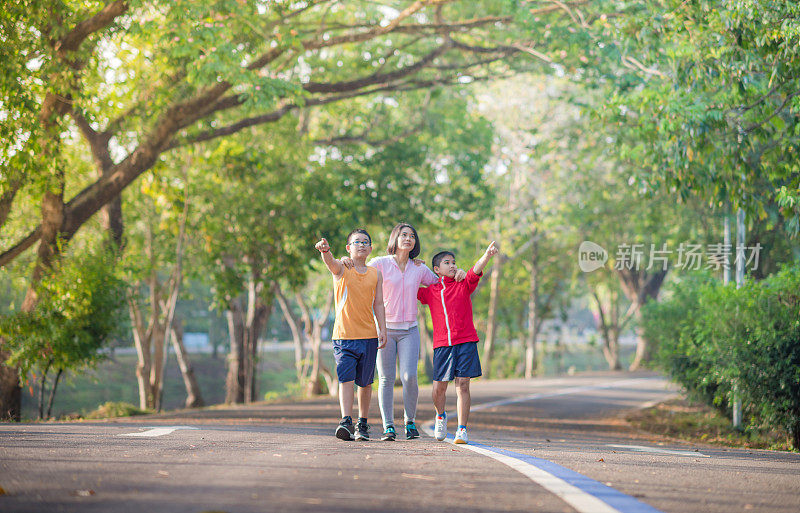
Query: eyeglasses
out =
(362, 243)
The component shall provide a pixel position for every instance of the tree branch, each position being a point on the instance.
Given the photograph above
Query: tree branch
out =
(73, 39)
(9, 255)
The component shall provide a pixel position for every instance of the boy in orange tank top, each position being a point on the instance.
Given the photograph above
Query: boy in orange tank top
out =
(359, 303)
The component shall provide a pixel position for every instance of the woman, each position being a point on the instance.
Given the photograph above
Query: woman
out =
(402, 277)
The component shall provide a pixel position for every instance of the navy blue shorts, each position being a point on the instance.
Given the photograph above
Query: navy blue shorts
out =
(355, 360)
(458, 361)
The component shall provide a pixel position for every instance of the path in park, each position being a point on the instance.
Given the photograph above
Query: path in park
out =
(544, 445)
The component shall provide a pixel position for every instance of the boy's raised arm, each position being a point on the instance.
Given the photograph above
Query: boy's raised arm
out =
(380, 312)
(484, 259)
(334, 266)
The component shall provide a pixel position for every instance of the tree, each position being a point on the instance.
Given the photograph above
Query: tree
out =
(81, 310)
(138, 80)
(155, 254)
(714, 112)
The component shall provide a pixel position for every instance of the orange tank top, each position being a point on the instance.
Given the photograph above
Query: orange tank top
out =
(354, 293)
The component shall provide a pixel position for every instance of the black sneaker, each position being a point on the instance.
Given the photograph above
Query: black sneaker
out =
(411, 430)
(362, 431)
(389, 434)
(345, 429)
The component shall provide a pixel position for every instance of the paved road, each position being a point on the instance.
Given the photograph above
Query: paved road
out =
(548, 445)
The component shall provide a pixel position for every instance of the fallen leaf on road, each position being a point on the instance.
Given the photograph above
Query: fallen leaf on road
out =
(601, 459)
(163, 473)
(418, 476)
(2, 491)
(83, 493)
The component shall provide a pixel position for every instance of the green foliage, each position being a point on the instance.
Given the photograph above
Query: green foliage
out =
(667, 325)
(81, 310)
(113, 409)
(714, 339)
(705, 102)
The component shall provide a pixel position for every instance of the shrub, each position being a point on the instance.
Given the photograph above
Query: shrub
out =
(714, 339)
(115, 409)
(80, 310)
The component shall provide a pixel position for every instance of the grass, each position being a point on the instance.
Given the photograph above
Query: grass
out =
(694, 422)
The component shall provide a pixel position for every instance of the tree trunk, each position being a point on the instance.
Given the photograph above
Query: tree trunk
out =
(491, 324)
(194, 398)
(141, 339)
(294, 327)
(160, 350)
(234, 383)
(531, 362)
(53, 392)
(42, 386)
(426, 346)
(640, 287)
(10, 390)
(609, 328)
(313, 330)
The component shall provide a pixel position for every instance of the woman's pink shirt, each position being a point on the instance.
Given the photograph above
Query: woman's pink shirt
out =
(400, 287)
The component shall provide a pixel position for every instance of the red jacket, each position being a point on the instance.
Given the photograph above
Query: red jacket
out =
(451, 309)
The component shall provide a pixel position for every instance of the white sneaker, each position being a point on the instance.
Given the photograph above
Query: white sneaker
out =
(461, 436)
(440, 431)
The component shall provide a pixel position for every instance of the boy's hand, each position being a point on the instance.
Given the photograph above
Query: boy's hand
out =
(418, 261)
(322, 246)
(382, 339)
(461, 275)
(347, 262)
(491, 251)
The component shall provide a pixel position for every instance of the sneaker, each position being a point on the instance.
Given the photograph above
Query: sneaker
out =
(461, 436)
(362, 431)
(345, 429)
(440, 430)
(411, 430)
(389, 434)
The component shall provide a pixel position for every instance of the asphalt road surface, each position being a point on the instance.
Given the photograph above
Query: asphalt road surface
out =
(544, 445)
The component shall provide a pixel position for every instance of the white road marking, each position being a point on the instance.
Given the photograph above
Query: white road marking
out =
(575, 497)
(536, 469)
(642, 448)
(157, 431)
(582, 501)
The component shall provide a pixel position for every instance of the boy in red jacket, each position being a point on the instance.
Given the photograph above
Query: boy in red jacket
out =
(455, 341)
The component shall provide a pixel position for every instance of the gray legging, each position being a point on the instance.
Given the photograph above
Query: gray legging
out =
(402, 344)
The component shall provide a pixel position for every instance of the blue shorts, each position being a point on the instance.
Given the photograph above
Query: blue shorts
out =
(355, 360)
(459, 361)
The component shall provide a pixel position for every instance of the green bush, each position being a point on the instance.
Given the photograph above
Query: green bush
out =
(79, 312)
(115, 409)
(714, 339)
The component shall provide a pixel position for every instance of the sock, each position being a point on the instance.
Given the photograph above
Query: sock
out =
(362, 420)
(462, 426)
(442, 415)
